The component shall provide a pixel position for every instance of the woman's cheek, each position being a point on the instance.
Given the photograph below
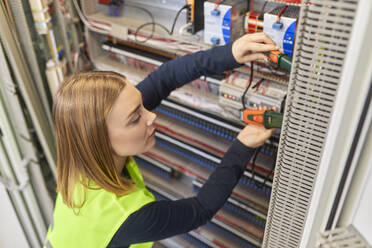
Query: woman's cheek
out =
(139, 136)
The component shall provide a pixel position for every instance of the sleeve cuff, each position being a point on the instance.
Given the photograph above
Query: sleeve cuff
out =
(223, 55)
(229, 55)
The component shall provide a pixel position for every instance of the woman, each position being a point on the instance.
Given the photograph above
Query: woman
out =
(102, 120)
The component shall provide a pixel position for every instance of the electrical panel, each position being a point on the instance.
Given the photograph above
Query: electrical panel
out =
(198, 122)
(308, 82)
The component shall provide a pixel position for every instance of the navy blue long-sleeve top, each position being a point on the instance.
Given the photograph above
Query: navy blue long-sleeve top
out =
(162, 219)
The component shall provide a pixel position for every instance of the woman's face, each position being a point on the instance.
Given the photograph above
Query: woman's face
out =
(130, 126)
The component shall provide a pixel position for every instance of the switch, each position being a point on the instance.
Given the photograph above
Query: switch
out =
(215, 12)
(215, 40)
(277, 26)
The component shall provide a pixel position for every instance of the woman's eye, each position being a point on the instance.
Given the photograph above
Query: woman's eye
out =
(137, 119)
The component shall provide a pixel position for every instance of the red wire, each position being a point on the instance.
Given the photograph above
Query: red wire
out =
(215, 4)
(96, 27)
(227, 74)
(235, 75)
(51, 9)
(280, 13)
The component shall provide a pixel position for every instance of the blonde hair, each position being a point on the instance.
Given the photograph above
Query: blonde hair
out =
(84, 151)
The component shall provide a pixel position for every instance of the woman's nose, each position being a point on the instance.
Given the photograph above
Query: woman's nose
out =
(151, 118)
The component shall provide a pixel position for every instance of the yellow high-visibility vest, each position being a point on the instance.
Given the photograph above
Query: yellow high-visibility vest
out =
(97, 221)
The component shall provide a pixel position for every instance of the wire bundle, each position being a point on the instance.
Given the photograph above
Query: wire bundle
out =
(106, 29)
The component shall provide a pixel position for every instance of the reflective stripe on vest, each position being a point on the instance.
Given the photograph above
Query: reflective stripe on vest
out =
(99, 218)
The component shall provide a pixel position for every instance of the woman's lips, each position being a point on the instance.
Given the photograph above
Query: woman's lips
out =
(152, 134)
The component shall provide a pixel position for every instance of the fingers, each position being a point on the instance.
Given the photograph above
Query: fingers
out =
(256, 52)
(260, 107)
(259, 47)
(254, 57)
(261, 37)
(268, 132)
(254, 136)
(250, 47)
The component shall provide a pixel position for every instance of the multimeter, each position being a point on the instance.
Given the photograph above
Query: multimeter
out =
(268, 119)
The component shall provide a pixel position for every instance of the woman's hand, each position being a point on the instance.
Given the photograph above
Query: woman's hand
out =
(250, 47)
(255, 136)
